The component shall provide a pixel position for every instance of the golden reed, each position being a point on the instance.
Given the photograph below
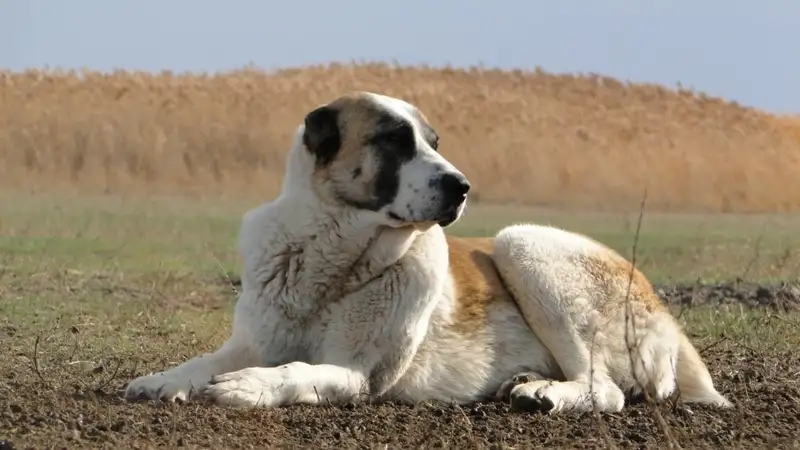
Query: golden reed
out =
(583, 142)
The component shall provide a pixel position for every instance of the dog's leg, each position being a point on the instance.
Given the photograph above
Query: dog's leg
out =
(588, 384)
(294, 383)
(567, 324)
(190, 378)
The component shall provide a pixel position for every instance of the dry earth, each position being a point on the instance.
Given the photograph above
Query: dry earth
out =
(49, 401)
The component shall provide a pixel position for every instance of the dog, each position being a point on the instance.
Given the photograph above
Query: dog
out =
(352, 292)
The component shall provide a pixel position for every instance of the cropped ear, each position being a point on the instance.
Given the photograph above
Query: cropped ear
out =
(321, 136)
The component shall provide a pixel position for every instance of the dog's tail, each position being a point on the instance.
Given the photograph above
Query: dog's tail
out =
(693, 379)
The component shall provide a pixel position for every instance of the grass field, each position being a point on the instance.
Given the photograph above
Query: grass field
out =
(122, 195)
(109, 234)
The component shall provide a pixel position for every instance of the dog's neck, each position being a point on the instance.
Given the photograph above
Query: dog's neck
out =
(310, 267)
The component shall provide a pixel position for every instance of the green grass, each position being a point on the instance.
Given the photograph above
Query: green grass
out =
(119, 263)
(115, 260)
(135, 236)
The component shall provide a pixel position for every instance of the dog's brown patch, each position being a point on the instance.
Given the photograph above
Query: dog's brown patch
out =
(622, 280)
(476, 280)
(351, 171)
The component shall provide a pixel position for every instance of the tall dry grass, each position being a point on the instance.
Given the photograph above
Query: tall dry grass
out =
(522, 137)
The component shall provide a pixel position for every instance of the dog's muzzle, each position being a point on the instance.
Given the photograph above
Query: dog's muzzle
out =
(454, 188)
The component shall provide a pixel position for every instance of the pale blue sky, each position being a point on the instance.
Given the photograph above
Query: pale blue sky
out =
(743, 50)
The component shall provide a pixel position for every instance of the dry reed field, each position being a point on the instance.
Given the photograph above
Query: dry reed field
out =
(121, 197)
(529, 138)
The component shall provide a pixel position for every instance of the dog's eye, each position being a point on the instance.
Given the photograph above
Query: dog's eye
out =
(435, 143)
(401, 136)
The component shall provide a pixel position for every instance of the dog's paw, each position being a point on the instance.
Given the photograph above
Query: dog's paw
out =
(164, 386)
(555, 397)
(504, 392)
(530, 397)
(251, 387)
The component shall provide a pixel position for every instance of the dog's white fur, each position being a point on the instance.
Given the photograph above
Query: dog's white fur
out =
(341, 304)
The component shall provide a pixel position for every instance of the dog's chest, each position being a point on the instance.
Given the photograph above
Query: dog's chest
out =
(289, 315)
(290, 280)
(282, 338)
(315, 299)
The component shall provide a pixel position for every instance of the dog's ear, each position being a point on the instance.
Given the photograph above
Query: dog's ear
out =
(321, 136)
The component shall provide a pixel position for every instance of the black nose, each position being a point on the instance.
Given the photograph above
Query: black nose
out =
(454, 185)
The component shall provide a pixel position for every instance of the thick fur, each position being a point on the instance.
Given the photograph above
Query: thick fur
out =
(351, 290)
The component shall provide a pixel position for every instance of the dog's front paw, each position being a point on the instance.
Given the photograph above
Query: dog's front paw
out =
(165, 386)
(255, 386)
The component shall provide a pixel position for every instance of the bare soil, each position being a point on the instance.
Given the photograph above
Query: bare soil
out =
(88, 410)
(781, 296)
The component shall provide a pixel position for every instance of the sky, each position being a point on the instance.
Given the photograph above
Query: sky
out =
(748, 51)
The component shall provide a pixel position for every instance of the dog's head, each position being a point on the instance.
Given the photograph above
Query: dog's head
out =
(379, 154)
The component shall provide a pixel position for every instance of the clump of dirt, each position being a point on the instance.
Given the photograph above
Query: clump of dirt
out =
(783, 296)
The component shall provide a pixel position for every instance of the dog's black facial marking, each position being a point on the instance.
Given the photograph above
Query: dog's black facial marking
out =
(321, 136)
(387, 182)
(396, 136)
(356, 172)
(394, 144)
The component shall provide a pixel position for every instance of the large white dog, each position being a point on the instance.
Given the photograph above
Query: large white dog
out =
(351, 291)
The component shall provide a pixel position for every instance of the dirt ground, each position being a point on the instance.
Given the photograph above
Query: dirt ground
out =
(783, 296)
(88, 410)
